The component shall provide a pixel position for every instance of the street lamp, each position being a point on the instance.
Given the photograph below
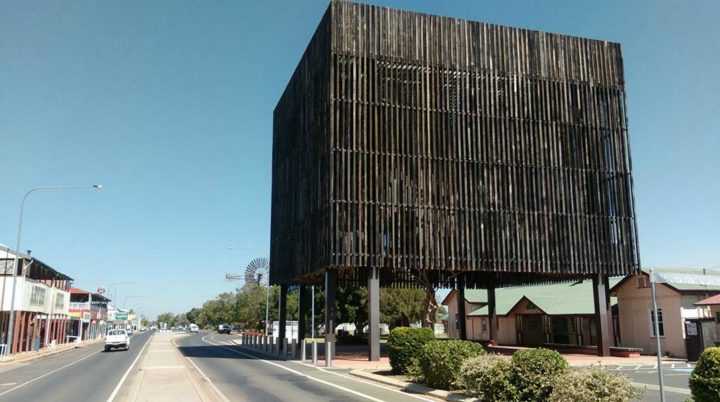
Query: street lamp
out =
(267, 288)
(11, 322)
(114, 299)
(130, 297)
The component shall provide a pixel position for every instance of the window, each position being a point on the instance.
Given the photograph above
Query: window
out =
(457, 322)
(37, 297)
(660, 323)
(484, 325)
(59, 301)
(642, 282)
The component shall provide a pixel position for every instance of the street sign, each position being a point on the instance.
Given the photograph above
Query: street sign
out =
(121, 316)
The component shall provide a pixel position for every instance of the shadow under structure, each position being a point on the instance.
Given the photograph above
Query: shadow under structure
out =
(413, 149)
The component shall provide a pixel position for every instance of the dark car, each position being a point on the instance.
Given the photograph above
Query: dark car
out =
(224, 329)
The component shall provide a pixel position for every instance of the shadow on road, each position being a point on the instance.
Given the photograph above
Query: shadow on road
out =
(223, 352)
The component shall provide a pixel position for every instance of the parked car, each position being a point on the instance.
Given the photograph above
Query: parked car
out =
(224, 329)
(384, 329)
(345, 328)
(117, 338)
(194, 328)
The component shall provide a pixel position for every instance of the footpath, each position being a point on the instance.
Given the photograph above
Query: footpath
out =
(26, 357)
(164, 374)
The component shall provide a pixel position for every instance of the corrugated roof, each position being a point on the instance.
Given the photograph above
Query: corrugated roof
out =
(553, 299)
(698, 272)
(710, 301)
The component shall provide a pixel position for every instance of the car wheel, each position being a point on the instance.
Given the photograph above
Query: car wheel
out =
(107, 348)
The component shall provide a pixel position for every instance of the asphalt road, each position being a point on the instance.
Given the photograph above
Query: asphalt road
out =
(243, 375)
(675, 379)
(83, 374)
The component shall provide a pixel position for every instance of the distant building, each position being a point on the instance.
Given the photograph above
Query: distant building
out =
(561, 313)
(676, 307)
(89, 312)
(42, 298)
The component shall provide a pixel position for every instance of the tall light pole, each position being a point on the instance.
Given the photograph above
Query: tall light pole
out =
(267, 288)
(114, 299)
(131, 297)
(11, 322)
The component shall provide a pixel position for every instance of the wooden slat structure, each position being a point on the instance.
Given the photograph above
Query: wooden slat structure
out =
(407, 141)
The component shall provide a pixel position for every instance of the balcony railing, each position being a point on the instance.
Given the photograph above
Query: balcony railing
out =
(79, 306)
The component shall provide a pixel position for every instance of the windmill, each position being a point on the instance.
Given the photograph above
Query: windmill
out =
(257, 272)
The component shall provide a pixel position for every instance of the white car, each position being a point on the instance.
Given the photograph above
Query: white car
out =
(194, 328)
(117, 338)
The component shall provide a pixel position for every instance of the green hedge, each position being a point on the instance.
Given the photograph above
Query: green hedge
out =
(488, 378)
(705, 378)
(405, 344)
(591, 385)
(440, 361)
(534, 372)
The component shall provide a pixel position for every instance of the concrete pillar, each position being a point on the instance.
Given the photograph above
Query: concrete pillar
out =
(462, 325)
(283, 317)
(492, 316)
(601, 315)
(374, 314)
(330, 287)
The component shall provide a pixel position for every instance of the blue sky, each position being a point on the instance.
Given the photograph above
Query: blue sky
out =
(169, 105)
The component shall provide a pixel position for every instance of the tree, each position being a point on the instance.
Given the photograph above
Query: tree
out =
(167, 318)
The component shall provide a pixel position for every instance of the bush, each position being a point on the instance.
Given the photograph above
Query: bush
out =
(488, 378)
(405, 344)
(534, 372)
(440, 361)
(705, 378)
(593, 384)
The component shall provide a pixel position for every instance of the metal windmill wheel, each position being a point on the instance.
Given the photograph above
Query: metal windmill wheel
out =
(258, 271)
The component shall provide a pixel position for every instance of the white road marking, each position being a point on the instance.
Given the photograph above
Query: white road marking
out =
(224, 398)
(7, 384)
(48, 373)
(122, 380)
(374, 384)
(348, 390)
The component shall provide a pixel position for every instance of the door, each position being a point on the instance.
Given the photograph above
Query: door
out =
(693, 340)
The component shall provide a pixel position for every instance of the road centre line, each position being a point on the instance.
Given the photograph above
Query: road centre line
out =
(122, 380)
(49, 372)
(212, 384)
(348, 390)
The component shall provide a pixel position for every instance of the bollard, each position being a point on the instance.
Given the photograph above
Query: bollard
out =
(314, 352)
(284, 347)
(303, 351)
(268, 344)
(328, 354)
(293, 347)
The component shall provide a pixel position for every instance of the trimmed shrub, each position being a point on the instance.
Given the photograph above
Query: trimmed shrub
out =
(705, 378)
(440, 361)
(405, 344)
(488, 378)
(534, 372)
(593, 385)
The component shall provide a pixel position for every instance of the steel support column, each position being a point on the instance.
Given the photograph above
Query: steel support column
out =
(601, 315)
(282, 320)
(374, 314)
(330, 287)
(462, 327)
(492, 316)
(302, 312)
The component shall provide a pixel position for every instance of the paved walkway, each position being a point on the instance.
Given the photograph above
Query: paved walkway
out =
(164, 374)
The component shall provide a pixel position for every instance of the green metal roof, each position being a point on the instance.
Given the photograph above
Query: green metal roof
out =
(553, 299)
